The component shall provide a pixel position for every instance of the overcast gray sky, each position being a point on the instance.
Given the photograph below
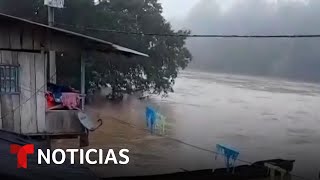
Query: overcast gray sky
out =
(290, 58)
(177, 8)
(176, 11)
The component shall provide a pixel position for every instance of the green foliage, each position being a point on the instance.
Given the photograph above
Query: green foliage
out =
(155, 74)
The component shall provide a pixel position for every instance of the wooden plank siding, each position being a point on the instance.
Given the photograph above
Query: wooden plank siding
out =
(15, 38)
(27, 38)
(24, 112)
(25, 93)
(16, 100)
(6, 99)
(19, 111)
(24, 37)
(40, 87)
(38, 38)
(33, 100)
(61, 121)
(28, 46)
(4, 36)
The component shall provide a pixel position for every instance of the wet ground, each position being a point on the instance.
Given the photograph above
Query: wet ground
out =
(262, 118)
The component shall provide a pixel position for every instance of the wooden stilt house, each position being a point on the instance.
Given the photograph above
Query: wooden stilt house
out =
(24, 73)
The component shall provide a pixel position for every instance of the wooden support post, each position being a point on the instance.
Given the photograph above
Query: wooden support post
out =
(53, 67)
(46, 65)
(50, 16)
(83, 77)
(84, 140)
(41, 84)
(52, 54)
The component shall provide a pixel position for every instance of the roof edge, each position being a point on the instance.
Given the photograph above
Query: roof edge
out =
(117, 47)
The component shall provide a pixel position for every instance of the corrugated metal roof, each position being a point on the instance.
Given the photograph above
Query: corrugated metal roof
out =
(117, 47)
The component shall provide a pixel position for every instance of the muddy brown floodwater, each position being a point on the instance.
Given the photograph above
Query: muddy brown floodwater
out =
(262, 118)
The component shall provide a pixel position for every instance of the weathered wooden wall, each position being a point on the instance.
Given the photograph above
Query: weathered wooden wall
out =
(16, 37)
(27, 37)
(21, 45)
(63, 122)
(7, 115)
(27, 45)
(25, 112)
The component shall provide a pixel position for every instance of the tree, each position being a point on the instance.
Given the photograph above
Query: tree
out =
(168, 54)
(156, 74)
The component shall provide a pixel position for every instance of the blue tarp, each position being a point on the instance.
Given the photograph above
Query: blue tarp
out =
(151, 118)
(231, 154)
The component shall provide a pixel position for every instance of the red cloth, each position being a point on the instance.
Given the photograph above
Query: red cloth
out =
(71, 100)
(50, 100)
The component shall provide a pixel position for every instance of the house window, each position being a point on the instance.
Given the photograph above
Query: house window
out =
(9, 79)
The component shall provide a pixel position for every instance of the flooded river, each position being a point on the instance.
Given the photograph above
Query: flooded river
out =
(262, 118)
